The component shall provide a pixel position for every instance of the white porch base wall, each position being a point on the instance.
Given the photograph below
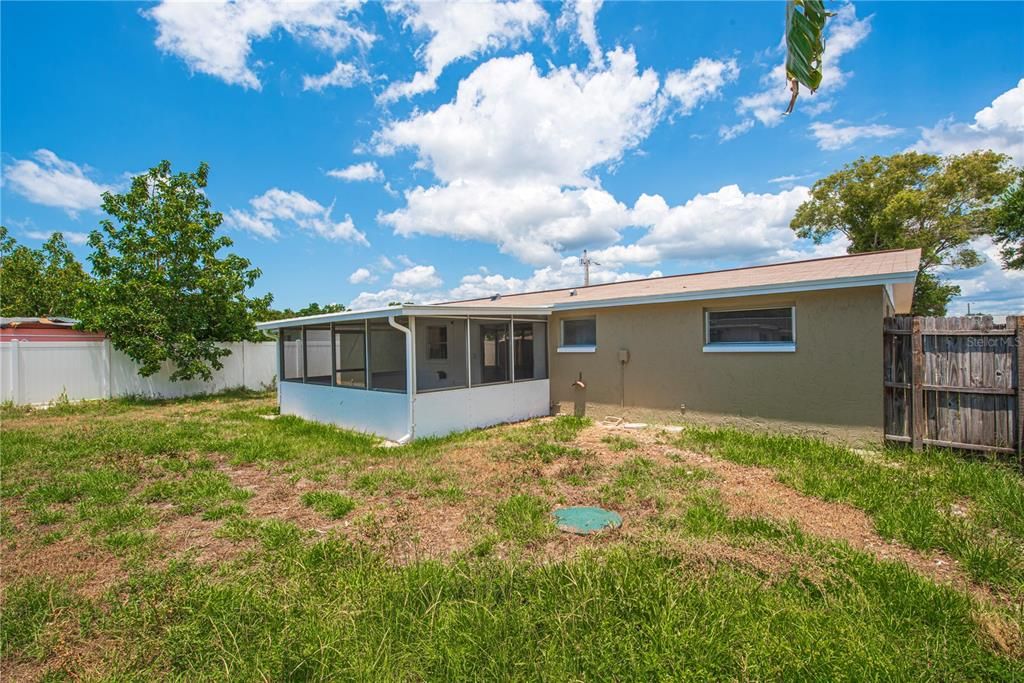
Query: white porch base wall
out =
(377, 412)
(443, 412)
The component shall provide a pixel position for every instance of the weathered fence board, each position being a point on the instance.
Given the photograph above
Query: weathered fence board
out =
(954, 382)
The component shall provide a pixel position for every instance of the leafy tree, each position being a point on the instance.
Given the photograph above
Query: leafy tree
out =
(45, 282)
(938, 204)
(1009, 232)
(312, 309)
(163, 291)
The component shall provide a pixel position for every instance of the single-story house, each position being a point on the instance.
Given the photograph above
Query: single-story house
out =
(798, 341)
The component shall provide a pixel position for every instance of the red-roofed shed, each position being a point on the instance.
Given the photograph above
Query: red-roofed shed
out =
(45, 330)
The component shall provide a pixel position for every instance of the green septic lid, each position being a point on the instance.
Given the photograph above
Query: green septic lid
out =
(586, 520)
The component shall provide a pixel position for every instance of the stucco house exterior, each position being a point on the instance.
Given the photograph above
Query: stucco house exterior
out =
(798, 341)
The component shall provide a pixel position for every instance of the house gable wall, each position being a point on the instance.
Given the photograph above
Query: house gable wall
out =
(833, 378)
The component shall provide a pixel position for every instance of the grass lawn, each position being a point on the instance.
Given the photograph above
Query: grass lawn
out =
(212, 539)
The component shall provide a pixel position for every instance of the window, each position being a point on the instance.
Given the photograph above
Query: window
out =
(291, 354)
(529, 350)
(579, 334)
(437, 342)
(762, 329)
(318, 355)
(350, 355)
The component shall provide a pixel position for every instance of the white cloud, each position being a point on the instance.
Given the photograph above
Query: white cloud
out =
(361, 275)
(343, 75)
(365, 171)
(988, 288)
(727, 223)
(583, 13)
(726, 133)
(380, 299)
(54, 182)
(515, 152)
(833, 136)
(567, 273)
(76, 238)
(839, 245)
(416, 277)
(790, 179)
(532, 222)
(261, 227)
(844, 32)
(701, 82)
(458, 30)
(999, 126)
(216, 38)
(294, 207)
(509, 122)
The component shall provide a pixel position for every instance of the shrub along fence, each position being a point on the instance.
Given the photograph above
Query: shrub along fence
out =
(42, 372)
(954, 382)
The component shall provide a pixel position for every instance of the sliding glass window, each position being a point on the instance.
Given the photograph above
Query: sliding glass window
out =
(291, 354)
(318, 355)
(350, 355)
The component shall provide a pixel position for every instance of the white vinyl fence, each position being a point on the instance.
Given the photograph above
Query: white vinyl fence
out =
(42, 372)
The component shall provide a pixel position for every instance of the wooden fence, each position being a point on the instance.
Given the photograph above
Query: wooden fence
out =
(954, 382)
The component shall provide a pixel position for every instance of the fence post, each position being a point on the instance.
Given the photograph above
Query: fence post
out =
(15, 374)
(1018, 322)
(105, 354)
(917, 421)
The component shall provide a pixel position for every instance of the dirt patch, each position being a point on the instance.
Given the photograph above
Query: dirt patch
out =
(857, 436)
(404, 526)
(750, 491)
(88, 569)
(76, 659)
(181, 535)
(1004, 634)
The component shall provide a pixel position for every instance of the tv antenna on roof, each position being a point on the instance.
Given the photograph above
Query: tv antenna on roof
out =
(586, 262)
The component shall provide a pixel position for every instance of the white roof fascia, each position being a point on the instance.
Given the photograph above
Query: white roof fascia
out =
(421, 310)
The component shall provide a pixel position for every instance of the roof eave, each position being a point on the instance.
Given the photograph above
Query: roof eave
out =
(432, 310)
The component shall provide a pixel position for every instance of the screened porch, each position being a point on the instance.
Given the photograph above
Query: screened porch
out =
(403, 375)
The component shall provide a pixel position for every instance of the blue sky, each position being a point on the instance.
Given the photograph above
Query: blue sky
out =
(424, 151)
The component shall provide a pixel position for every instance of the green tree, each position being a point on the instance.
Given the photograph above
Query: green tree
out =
(312, 309)
(44, 282)
(164, 292)
(903, 201)
(1009, 220)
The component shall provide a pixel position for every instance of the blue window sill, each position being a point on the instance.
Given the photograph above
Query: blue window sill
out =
(785, 347)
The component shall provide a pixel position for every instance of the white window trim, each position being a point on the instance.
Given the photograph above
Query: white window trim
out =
(748, 347)
(575, 348)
